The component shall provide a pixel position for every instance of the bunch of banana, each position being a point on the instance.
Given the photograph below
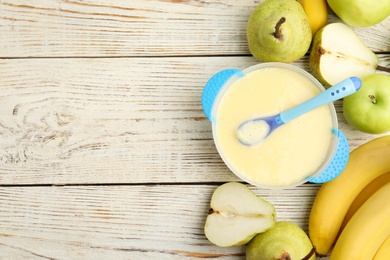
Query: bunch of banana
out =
(363, 182)
(370, 189)
(367, 229)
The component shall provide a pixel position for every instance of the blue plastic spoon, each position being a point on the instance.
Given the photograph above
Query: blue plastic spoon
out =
(254, 130)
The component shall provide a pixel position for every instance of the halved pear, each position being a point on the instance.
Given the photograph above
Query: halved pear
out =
(237, 214)
(338, 53)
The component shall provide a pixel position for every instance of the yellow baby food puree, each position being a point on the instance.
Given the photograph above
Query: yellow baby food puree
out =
(294, 150)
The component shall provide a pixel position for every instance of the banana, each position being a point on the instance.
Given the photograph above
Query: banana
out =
(317, 13)
(383, 252)
(367, 230)
(364, 195)
(334, 198)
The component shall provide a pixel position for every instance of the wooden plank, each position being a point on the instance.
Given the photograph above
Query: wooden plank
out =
(124, 222)
(122, 120)
(79, 28)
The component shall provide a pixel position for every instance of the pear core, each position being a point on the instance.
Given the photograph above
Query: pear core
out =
(236, 215)
(338, 53)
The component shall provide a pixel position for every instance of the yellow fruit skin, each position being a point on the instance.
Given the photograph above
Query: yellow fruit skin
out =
(370, 189)
(367, 230)
(317, 13)
(383, 252)
(334, 198)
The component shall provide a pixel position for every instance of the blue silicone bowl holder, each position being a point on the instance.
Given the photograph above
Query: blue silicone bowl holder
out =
(340, 158)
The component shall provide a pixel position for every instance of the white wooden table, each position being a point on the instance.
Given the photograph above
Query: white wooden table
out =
(104, 148)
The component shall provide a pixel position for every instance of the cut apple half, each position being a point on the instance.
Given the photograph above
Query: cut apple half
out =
(338, 53)
(236, 215)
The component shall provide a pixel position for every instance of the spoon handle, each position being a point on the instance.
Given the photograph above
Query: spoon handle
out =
(338, 91)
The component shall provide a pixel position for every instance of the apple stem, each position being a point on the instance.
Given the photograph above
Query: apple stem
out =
(310, 254)
(278, 32)
(373, 98)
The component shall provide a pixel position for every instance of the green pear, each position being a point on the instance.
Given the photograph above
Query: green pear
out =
(368, 110)
(361, 13)
(279, 31)
(338, 53)
(237, 215)
(284, 241)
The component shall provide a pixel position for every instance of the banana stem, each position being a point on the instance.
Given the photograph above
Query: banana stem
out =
(278, 32)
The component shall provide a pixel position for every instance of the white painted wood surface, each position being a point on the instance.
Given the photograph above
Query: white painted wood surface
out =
(60, 28)
(104, 147)
(123, 222)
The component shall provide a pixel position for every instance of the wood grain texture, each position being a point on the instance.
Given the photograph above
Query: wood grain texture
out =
(123, 222)
(105, 152)
(100, 28)
(140, 120)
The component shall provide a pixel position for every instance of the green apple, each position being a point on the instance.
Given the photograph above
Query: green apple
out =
(338, 53)
(361, 13)
(237, 215)
(368, 110)
(285, 240)
(279, 31)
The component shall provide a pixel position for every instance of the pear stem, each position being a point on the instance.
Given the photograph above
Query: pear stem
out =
(381, 68)
(310, 254)
(278, 32)
(373, 98)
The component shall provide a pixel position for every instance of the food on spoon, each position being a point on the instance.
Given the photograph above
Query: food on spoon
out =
(237, 214)
(338, 53)
(278, 30)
